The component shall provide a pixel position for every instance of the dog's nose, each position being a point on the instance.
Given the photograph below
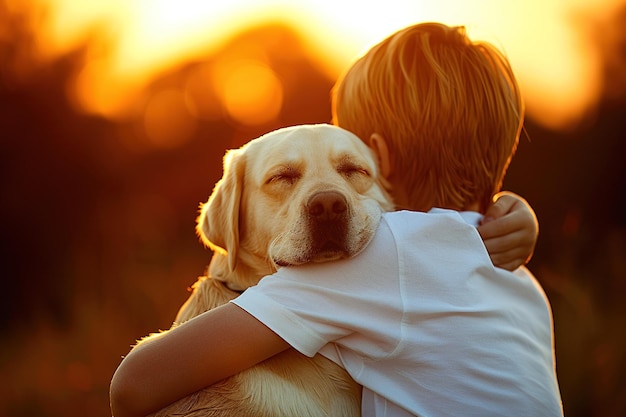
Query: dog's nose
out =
(327, 205)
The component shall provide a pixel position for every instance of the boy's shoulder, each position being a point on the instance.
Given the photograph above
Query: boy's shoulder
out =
(431, 232)
(436, 216)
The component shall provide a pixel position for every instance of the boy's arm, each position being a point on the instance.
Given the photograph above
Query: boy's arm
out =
(194, 355)
(509, 231)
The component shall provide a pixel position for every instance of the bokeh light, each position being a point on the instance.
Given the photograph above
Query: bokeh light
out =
(250, 91)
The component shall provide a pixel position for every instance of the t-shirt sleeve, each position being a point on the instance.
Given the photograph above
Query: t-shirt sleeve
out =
(312, 305)
(282, 321)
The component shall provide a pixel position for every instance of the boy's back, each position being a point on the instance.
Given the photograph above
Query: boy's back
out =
(424, 317)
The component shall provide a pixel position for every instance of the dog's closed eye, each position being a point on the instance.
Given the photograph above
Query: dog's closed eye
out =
(286, 175)
(349, 166)
(349, 169)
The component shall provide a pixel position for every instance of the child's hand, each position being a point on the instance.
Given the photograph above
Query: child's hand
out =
(509, 231)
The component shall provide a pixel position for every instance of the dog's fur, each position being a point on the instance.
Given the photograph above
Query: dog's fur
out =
(296, 195)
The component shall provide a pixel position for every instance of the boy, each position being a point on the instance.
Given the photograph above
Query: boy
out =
(421, 318)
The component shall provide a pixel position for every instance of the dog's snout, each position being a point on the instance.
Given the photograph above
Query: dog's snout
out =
(327, 205)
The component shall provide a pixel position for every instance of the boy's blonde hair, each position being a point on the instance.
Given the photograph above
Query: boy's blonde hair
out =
(449, 108)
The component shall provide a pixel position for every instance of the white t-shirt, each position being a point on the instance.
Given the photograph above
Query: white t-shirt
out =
(423, 320)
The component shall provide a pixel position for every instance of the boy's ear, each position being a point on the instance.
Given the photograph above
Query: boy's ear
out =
(379, 145)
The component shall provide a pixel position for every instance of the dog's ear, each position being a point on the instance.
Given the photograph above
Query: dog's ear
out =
(218, 223)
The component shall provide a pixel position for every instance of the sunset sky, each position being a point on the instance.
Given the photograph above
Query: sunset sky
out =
(552, 44)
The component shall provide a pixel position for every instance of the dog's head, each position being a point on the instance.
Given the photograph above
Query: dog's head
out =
(300, 194)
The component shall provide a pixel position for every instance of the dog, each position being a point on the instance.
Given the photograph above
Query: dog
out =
(300, 194)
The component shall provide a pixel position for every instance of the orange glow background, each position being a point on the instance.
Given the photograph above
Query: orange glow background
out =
(115, 114)
(548, 43)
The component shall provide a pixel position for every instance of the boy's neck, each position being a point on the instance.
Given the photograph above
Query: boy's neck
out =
(405, 204)
(402, 201)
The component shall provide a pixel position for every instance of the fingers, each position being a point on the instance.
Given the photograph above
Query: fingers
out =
(509, 243)
(518, 216)
(511, 250)
(509, 260)
(509, 266)
(504, 203)
(509, 231)
(500, 226)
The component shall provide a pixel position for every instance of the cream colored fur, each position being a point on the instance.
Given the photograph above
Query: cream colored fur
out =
(258, 216)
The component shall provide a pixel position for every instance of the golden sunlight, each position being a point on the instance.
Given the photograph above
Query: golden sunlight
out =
(554, 58)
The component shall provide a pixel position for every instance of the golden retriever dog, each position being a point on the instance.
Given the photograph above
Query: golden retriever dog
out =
(300, 194)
